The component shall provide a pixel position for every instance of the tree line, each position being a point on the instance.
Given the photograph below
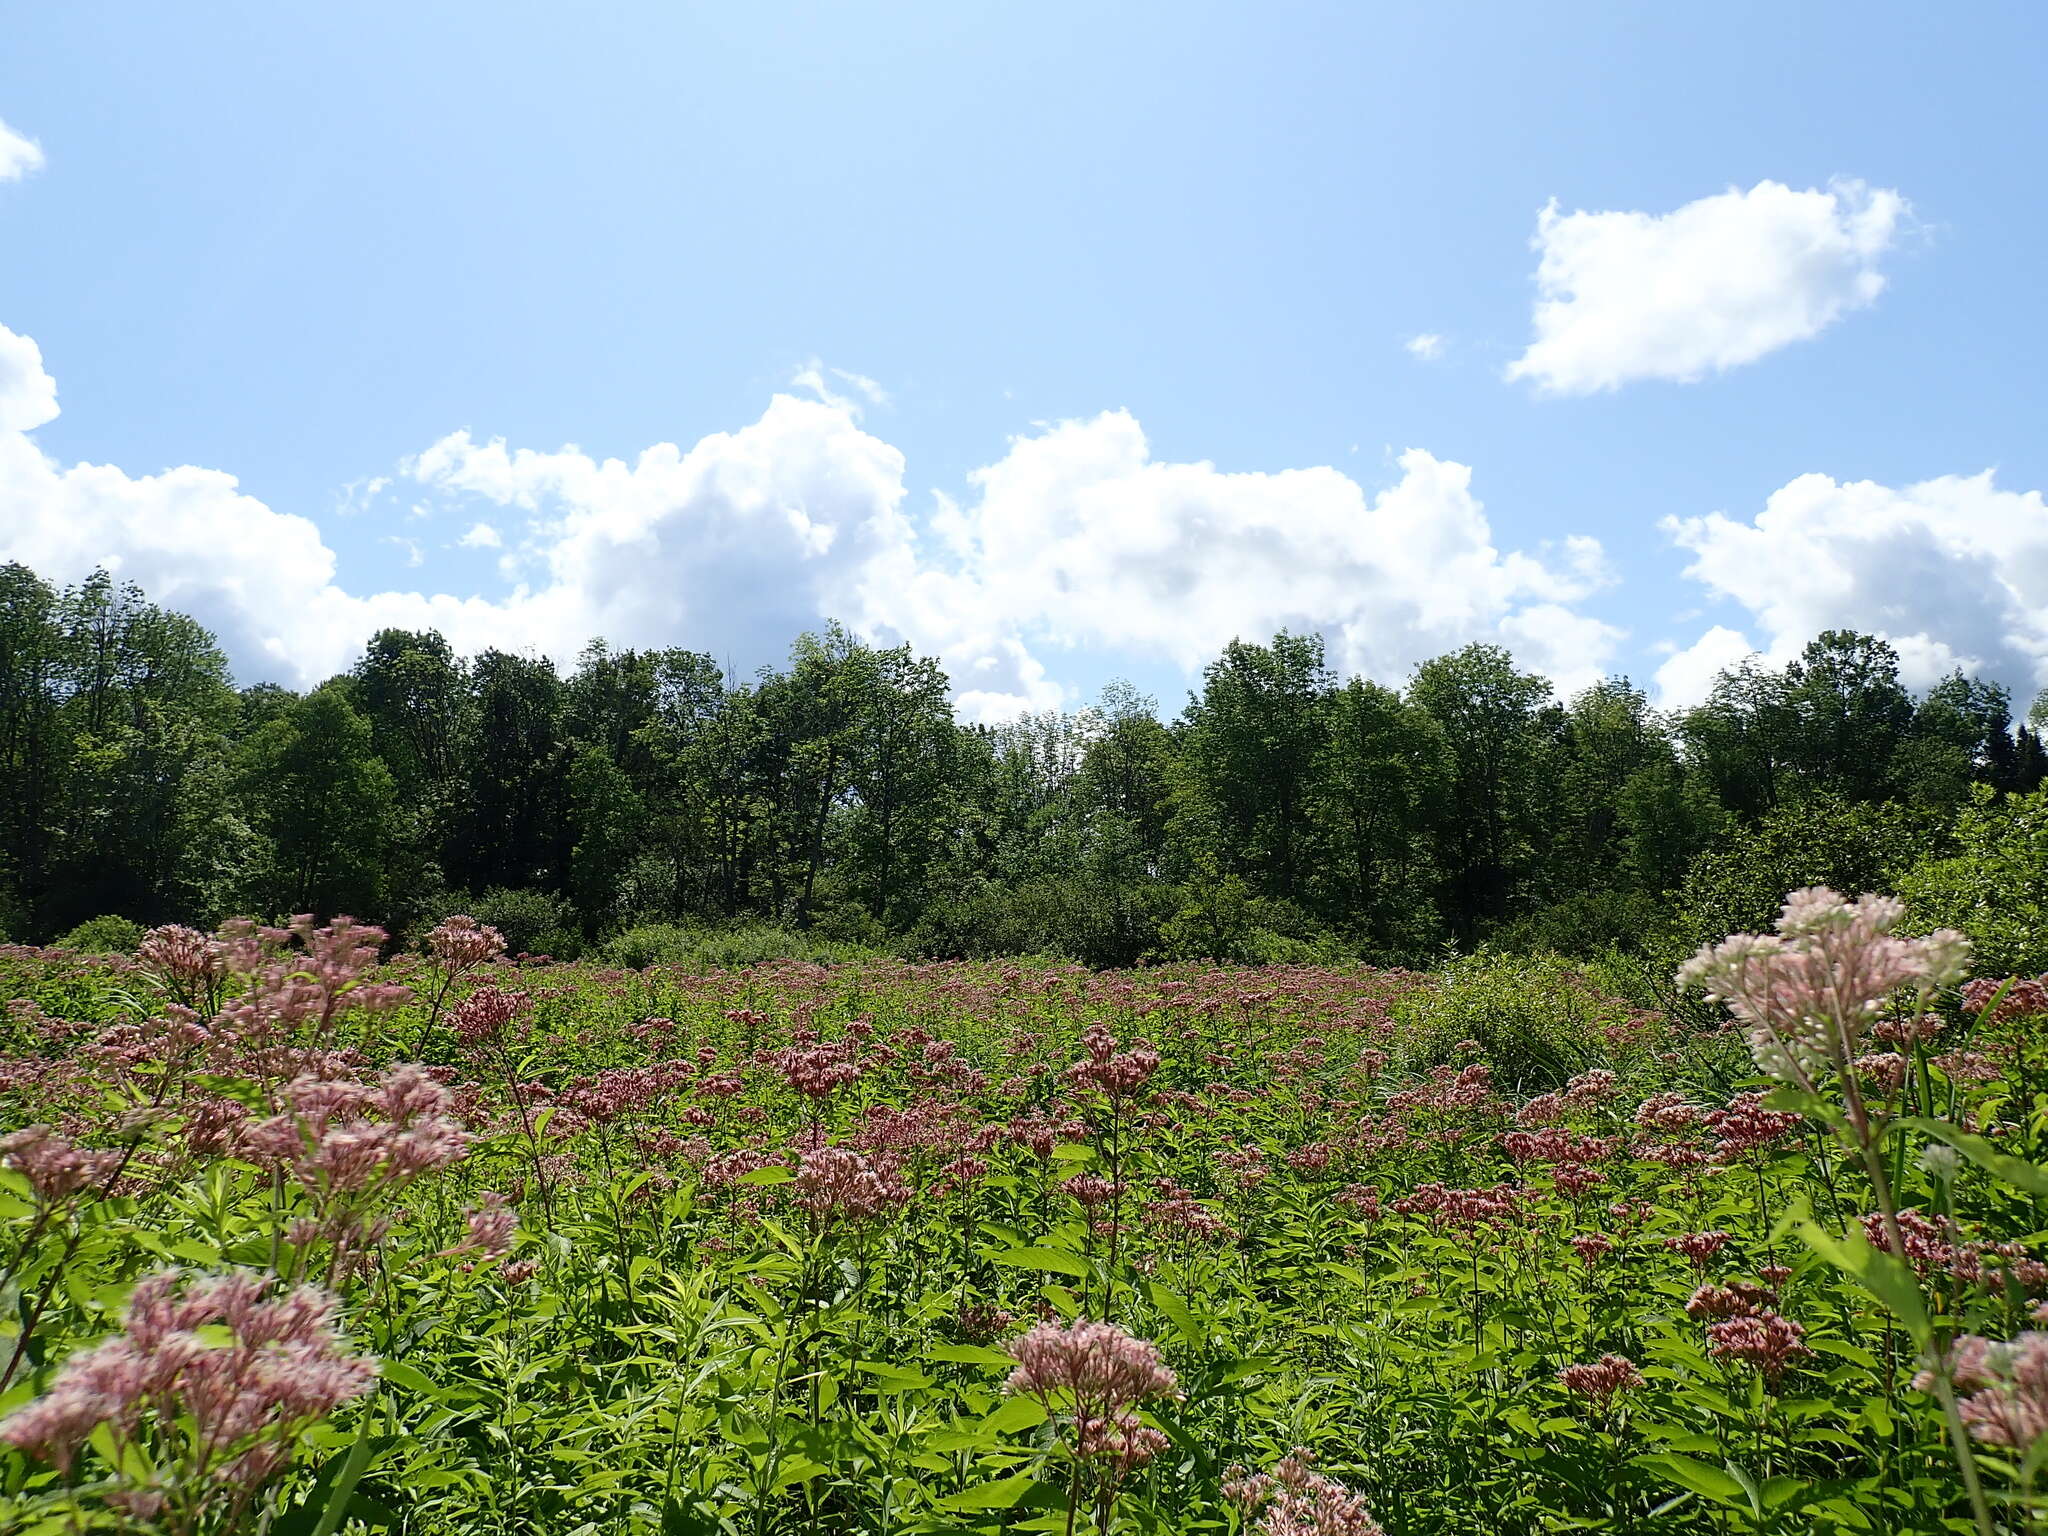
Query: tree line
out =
(1285, 812)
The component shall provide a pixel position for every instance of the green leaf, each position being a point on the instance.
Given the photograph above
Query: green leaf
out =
(1176, 1311)
(1052, 1260)
(1698, 1476)
(399, 1374)
(766, 1176)
(1018, 1413)
(1884, 1275)
(1073, 1152)
(969, 1354)
(345, 1482)
(892, 1378)
(2014, 1171)
(1001, 1494)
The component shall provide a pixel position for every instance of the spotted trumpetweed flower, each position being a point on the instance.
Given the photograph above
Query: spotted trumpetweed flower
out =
(1807, 993)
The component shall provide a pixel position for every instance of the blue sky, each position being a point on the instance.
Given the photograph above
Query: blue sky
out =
(307, 248)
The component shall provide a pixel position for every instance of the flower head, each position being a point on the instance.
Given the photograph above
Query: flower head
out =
(1808, 991)
(1603, 1380)
(1103, 1368)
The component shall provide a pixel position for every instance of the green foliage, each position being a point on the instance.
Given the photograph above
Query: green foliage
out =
(839, 794)
(1739, 886)
(108, 935)
(702, 949)
(1994, 887)
(687, 1345)
(1538, 1020)
(323, 807)
(533, 922)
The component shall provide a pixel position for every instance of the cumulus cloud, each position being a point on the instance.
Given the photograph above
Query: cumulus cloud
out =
(1707, 287)
(1076, 537)
(28, 395)
(1952, 571)
(1428, 346)
(19, 154)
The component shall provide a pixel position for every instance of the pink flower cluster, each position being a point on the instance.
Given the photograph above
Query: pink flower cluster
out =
(817, 1069)
(1116, 1074)
(1807, 992)
(227, 1413)
(1296, 1500)
(481, 1018)
(839, 1185)
(301, 992)
(461, 943)
(1603, 1380)
(54, 1166)
(2025, 997)
(348, 1144)
(1449, 1090)
(2008, 1387)
(488, 1227)
(1738, 1298)
(1098, 1373)
(1461, 1207)
(1097, 1364)
(1761, 1338)
(1934, 1249)
(1698, 1246)
(1745, 1126)
(185, 962)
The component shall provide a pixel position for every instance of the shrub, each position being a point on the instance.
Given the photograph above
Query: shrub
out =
(1537, 1018)
(694, 948)
(105, 935)
(533, 922)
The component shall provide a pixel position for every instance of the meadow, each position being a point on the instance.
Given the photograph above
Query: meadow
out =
(300, 1235)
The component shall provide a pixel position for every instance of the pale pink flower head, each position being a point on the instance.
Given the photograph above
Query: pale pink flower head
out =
(461, 943)
(185, 962)
(839, 1185)
(1762, 1339)
(1296, 1500)
(1808, 992)
(1592, 1247)
(247, 1398)
(1102, 1368)
(1603, 1380)
(1698, 1246)
(1119, 1439)
(55, 1167)
(1115, 1074)
(2008, 1386)
(481, 1017)
(489, 1227)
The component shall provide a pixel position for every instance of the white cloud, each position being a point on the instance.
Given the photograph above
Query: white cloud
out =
(28, 395)
(1079, 538)
(1428, 346)
(1687, 676)
(19, 154)
(1953, 572)
(1709, 286)
(811, 377)
(1075, 537)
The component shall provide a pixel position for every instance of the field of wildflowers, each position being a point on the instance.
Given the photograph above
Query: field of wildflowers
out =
(298, 1237)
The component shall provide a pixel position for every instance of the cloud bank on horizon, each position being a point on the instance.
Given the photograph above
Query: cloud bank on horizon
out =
(1075, 537)
(1078, 538)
